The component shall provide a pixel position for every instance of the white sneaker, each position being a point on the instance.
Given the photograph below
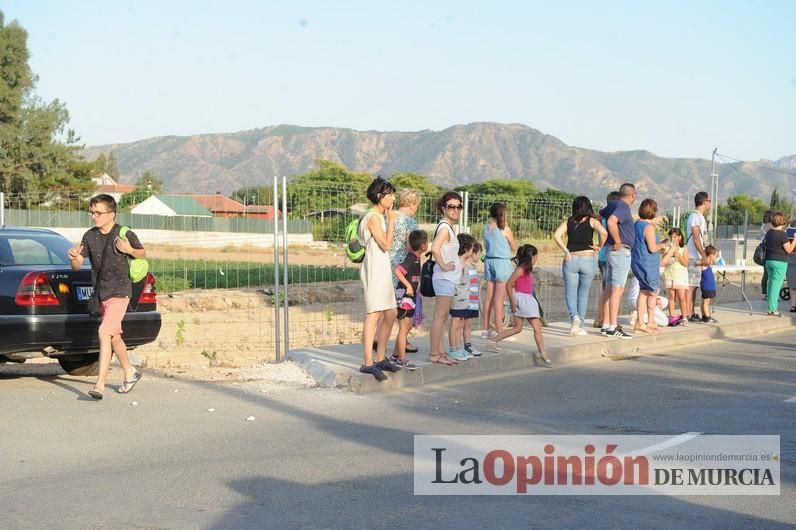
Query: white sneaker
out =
(581, 332)
(575, 326)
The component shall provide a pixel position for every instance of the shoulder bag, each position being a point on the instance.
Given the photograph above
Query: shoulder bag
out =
(759, 256)
(427, 271)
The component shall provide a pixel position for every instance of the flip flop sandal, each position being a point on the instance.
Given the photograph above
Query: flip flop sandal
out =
(128, 385)
(441, 359)
(96, 394)
(411, 348)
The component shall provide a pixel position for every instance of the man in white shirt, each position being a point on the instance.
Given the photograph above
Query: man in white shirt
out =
(697, 233)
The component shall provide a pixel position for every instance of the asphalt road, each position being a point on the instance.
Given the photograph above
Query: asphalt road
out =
(326, 458)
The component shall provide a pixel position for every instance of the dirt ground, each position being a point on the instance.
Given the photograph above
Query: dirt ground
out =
(316, 254)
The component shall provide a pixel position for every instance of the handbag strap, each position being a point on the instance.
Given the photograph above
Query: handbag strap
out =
(429, 254)
(111, 237)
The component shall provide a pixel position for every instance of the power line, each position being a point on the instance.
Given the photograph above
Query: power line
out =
(769, 168)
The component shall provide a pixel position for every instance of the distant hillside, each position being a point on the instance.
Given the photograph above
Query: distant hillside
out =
(459, 154)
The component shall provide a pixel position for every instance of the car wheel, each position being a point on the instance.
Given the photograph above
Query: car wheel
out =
(82, 365)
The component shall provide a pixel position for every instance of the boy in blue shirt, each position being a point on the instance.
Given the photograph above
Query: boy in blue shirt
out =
(707, 283)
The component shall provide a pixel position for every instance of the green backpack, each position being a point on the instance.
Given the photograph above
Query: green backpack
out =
(684, 227)
(138, 266)
(354, 250)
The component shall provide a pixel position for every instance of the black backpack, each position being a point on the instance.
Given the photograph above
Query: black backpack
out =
(427, 271)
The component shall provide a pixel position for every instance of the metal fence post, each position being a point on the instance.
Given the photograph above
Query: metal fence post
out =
(466, 212)
(285, 262)
(2, 209)
(276, 270)
(743, 269)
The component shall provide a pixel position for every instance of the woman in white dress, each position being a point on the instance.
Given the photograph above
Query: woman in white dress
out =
(376, 234)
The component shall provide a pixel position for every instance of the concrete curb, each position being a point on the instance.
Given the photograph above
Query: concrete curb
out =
(516, 357)
(323, 374)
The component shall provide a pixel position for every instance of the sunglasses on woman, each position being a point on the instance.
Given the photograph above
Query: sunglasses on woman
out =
(454, 206)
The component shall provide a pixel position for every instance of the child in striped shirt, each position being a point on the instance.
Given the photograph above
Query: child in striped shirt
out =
(474, 300)
(461, 309)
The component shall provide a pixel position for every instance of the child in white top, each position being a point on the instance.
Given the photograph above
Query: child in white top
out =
(474, 305)
(460, 312)
(675, 276)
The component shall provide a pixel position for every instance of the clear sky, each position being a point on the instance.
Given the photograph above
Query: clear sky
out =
(677, 78)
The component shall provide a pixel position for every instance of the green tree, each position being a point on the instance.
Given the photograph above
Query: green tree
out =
(108, 164)
(259, 195)
(502, 188)
(147, 185)
(732, 213)
(427, 189)
(149, 182)
(331, 186)
(778, 203)
(37, 151)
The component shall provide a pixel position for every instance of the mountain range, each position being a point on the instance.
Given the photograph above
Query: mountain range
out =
(461, 154)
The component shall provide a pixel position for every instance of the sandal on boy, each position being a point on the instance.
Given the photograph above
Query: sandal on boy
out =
(127, 386)
(95, 393)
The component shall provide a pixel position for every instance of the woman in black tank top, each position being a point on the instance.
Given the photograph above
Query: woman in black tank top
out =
(580, 259)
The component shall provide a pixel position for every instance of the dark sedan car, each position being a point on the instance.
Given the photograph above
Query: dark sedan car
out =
(43, 303)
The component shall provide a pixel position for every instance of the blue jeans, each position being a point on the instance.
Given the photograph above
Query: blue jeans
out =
(617, 267)
(578, 273)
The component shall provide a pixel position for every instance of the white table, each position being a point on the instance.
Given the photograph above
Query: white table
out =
(722, 271)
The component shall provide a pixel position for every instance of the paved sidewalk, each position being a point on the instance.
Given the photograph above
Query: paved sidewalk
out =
(338, 365)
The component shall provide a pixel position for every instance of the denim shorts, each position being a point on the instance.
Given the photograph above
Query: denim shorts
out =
(443, 287)
(497, 269)
(617, 265)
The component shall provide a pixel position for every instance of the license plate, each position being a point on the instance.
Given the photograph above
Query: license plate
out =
(84, 293)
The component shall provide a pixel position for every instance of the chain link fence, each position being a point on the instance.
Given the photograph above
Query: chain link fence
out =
(216, 273)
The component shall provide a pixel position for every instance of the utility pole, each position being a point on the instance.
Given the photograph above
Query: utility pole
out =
(714, 192)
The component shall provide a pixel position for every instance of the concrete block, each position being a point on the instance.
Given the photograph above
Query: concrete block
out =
(343, 380)
(513, 361)
(322, 374)
(366, 384)
(465, 368)
(405, 378)
(485, 364)
(434, 372)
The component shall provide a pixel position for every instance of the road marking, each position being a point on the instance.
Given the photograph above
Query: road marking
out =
(791, 400)
(666, 444)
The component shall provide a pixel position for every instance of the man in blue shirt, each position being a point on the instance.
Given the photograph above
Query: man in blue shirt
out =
(621, 237)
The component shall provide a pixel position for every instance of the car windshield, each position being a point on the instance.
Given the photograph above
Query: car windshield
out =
(33, 249)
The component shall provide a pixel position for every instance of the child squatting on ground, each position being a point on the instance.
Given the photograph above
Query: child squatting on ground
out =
(465, 301)
(408, 274)
(707, 283)
(524, 306)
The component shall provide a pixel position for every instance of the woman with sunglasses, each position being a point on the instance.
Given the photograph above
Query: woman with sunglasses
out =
(445, 249)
